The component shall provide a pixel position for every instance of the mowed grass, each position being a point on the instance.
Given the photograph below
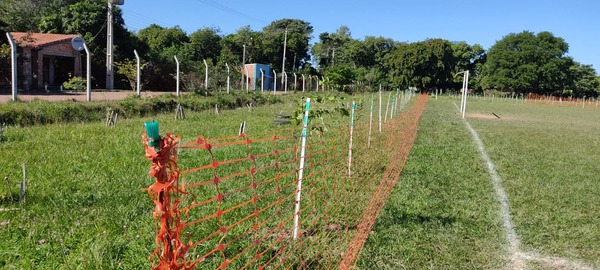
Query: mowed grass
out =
(548, 158)
(444, 214)
(85, 206)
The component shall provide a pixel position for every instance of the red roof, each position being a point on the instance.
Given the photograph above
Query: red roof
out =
(35, 40)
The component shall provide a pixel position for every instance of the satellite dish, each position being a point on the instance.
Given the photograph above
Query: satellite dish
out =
(77, 43)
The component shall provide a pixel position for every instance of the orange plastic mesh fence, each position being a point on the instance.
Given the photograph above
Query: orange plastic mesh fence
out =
(229, 202)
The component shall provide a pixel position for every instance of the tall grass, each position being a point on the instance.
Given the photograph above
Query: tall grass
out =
(40, 112)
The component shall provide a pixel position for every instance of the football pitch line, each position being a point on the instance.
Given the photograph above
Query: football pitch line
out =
(518, 258)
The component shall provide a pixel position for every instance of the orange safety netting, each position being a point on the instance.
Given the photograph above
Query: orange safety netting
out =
(229, 202)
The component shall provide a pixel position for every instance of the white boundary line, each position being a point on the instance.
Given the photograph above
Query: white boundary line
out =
(517, 257)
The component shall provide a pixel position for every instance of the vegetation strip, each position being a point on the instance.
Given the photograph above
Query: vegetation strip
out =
(406, 140)
(518, 258)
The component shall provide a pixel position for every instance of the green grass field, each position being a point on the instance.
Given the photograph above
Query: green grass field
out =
(86, 207)
(444, 214)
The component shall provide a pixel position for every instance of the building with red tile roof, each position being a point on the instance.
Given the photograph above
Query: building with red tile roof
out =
(46, 60)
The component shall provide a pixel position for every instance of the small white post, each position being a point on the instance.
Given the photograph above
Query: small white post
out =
(396, 106)
(23, 186)
(317, 76)
(137, 84)
(247, 80)
(227, 66)
(392, 109)
(465, 94)
(13, 61)
(88, 73)
(274, 81)
(301, 171)
(303, 82)
(387, 107)
(370, 120)
(350, 143)
(462, 94)
(402, 97)
(285, 82)
(177, 76)
(205, 75)
(380, 108)
(465, 90)
(295, 82)
(262, 80)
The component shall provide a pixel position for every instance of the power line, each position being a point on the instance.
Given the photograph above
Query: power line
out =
(229, 10)
(140, 18)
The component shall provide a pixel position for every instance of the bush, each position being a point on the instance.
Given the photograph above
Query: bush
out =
(75, 83)
(39, 112)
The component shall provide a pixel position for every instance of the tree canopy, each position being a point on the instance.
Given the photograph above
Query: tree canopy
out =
(427, 64)
(299, 34)
(521, 62)
(526, 62)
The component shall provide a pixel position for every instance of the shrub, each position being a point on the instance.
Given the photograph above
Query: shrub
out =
(75, 83)
(40, 112)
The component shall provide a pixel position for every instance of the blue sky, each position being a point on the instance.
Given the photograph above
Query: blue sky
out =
(483, 22)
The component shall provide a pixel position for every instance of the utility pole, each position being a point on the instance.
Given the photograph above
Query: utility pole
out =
(243, 66)
(284, 49)
(109, 43)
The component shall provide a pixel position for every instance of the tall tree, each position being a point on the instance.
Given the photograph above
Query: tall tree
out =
(232, 47)
(22, 15)
(205, 43)
(334, 48)
(367, 57)
(585, 81)
(426, 64)
(526, 62)
(468, 57)
(370, 52)
(162, 45)
(299, 34)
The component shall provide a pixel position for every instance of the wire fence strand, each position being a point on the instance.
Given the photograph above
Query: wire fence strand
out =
(229, 202)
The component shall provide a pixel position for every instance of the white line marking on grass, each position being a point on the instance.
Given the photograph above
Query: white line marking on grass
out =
(509, 228)
(517, 257)
(554, 262)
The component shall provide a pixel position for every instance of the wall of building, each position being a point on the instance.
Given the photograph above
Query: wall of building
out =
(254, 74)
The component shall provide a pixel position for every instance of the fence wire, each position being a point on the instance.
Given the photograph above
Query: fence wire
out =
(229, 202)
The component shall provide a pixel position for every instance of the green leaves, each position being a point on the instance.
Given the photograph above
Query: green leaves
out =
(322, 107)
(526, 62)
(425, 64)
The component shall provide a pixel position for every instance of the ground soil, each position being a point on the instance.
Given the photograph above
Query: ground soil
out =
(75, 96)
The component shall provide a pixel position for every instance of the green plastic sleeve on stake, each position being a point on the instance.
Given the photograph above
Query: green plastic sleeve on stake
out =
(152, 133)
(353, 108)
(305, 122)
